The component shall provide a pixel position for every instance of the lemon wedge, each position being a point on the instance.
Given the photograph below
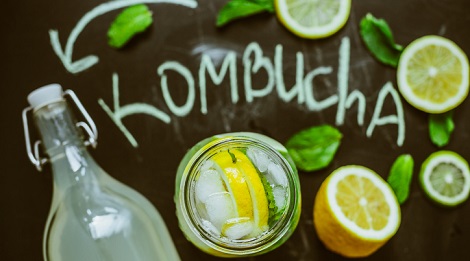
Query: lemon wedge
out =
(257, 192)
(433, 74)
(235, 183)
(246, 189)
(355, 212)
(313, 19)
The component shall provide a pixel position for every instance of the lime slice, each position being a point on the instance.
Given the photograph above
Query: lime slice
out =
(433, 74)
(445, 177)
(313, 19)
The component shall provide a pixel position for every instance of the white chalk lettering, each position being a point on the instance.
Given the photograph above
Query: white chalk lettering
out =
(345, 101)
(229, 63)
(361, 105)
(259, 62)
(90, 60)
(312, 103)
(120, 113)
(298, 88)
(183, 71)
(254, 62)
(398, 119)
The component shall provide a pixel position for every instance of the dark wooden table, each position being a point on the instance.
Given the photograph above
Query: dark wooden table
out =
(184, 35)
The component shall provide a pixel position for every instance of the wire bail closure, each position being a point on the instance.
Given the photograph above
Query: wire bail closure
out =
(89, 127)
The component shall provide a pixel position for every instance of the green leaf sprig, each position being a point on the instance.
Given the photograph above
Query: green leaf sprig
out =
(441, 127)
(314, 148)
(129, 22)
(400, 177)
(236, 9)
(378, 38)
(274, 212)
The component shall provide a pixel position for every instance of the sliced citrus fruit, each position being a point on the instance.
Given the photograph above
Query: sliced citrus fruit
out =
(235, 183)
(433, 74)
(258, 195)
(445, 177)
(237, 228)
(355, 212)
(246, 188)
(313, 19)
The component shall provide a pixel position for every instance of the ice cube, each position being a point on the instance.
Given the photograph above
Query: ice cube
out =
(210, 228)
(259, 159)
(276, 174)
(219, 207)
(237, 228)
(209, 182)
(206, 165)
(201, 209)
(279, 196)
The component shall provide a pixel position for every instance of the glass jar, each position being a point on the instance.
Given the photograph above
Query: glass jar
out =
(237, 195)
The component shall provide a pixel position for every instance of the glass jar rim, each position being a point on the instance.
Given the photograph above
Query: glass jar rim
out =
(246, 246)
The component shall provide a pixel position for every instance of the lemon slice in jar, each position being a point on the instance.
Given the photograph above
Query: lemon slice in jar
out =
(246, 189)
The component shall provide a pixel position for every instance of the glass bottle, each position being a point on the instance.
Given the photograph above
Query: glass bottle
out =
(92, 216)
(206, 197)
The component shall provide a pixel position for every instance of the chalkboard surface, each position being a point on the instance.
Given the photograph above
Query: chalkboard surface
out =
(160, 70)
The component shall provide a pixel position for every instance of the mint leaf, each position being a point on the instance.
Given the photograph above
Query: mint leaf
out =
(441, 127)
(272, 208)
(400, 177)
(236, 9)
(234, 159)
(129, 22)
(378, 38)
(314, 148)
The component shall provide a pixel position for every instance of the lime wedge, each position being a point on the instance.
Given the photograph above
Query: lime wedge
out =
(445, 177)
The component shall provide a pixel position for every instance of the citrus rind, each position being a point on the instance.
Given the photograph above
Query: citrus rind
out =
(256, 189)
(428, 166)
(394, 218)
(313, 32)
(407, 91)
(235, 184)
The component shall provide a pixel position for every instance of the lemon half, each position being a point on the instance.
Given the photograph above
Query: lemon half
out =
(355, 212)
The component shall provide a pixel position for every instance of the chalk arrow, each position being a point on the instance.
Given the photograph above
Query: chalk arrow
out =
(90, 60)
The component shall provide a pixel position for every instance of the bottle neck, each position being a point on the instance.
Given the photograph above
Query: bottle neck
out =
(64, 146)
(57, 128)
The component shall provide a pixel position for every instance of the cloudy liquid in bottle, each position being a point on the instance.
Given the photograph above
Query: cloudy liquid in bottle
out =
(93, 217)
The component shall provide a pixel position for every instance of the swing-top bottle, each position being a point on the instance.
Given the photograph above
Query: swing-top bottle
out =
(92, 216)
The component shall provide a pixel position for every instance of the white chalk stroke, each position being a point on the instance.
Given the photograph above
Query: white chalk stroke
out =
(90, 60)
(253, 60)
(135, 108)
